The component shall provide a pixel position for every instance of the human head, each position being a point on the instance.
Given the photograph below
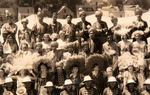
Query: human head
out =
(54, 46)
(114, 20)
(75, 69)
(24, 22)
(130, 68)
(54, 17)
(49, 86)
(69, 18)
(92, 33)
(46, 38)
(24, 46)
(98, 15)
(82, 14)
(112, 82)
(68, 84)
(130, 84)
(9, 83)
(87, 81)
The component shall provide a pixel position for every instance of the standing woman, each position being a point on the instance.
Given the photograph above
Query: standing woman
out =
(10, 46)
(42, 68)
(95, 68)
(76, 66)
(139, 47)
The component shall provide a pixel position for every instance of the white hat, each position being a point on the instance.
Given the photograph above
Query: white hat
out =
(8, 80)
(87, 78)
(26, 79)
(147, 81)
(112, 79)
(130, 81)
(49, 84)
(68, 82)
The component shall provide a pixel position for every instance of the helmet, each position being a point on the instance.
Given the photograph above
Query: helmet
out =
(112, 79)
(87, 78)
(68, 82)
(49, 84)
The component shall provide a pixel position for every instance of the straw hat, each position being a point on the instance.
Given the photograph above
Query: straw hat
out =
(26, 79)
(131, 81)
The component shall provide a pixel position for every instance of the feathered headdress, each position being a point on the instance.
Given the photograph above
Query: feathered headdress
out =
(78, 61)
(93, 60)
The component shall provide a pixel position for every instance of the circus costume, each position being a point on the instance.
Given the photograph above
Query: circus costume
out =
(95, 67)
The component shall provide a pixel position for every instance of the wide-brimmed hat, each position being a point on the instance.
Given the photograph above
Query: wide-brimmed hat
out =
(49, 84)
(93, 60)
(131, 81)
(75, 61)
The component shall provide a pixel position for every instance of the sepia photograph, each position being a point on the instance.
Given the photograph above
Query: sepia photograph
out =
(74, 47)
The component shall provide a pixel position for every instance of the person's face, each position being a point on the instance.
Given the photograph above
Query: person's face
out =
(130, 68)
(96, 68)
(62, 35)
(109, 38)
(86, 48)
(49, 89)
(39, 48)
(9, 20)
(1, 50)
(109, 73)
(148, 87)
(22, 72)
(112, 84)
(10, 39)
(88, 84)
(75, 69)
(70, 49)
(9, 86)
(1, 73)
(59, 69)
(43, 69)
(115, 21)
(131, 86)
(139, 17)
(46, 38)
(24, 47)
(137, 36)
(91, 35)
(68, 87)
(54, 18)
(69, 19)
(27, 85)
(24, 24)
(98, 17)
(27, 36)
(53, 48)
(124, 37)
(83, 17)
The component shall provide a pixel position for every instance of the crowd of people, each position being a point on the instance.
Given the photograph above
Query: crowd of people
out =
(75, 59)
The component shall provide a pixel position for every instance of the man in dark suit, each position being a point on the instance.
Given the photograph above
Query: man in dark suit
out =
(83, 25)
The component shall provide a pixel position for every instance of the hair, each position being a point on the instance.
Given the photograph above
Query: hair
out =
(69, 15)
(39, 69)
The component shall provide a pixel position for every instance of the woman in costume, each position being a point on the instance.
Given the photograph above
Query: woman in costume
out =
(42, 68)
(95, 67)
(75, 65)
